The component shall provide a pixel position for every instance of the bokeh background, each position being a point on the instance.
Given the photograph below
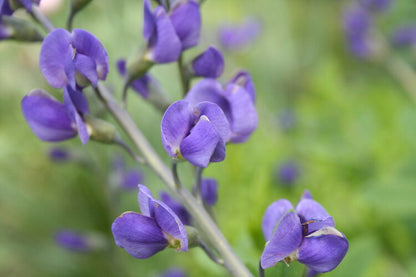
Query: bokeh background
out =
(346, 126)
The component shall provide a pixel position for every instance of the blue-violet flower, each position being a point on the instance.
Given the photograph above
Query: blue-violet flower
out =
(196, 133)
(157, 227)
(306, 234)
(209, 64)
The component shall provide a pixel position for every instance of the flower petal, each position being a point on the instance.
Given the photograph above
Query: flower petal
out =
(209, 64)
(164, 44)
(199, 146)
(186, 18)
(171, 224)
(244, 80)
(139, 235)
(323, 250)
(145, 199)
(285, 240)
(86, 66)
(176, 124)
(54, 54)
(69, 96)
(177, 208)
(274, 213)
(149, 24)
(208, 90)
(243, 115)
(217, 117)
(47, 117)
(311, 211)
(87, 44)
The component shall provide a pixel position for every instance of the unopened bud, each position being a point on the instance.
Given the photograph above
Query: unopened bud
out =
(101, 130)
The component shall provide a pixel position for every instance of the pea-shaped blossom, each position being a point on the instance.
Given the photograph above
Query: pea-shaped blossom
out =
(236, 100)
(357, 25)
(209, 64)
(73, 59)
(157, 227)
(306, 234)
(52, 120)
(168, 33)
(174, 272)
(196, 133)
(73, 241)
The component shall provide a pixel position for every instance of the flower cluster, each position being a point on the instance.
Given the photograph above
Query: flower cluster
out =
(306, 234)
(157, 227)
(70, 61)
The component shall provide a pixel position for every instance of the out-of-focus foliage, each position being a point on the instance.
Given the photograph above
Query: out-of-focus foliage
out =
(354, 139)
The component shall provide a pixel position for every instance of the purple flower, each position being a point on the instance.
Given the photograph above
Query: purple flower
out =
(131, 178)
(174, 272)
(59, 154)
(170, 33)
(6, 9)
(73, 241)
(236, 101)
(357, 24)
(376, 5)
(126, 179)
(404, 36)
(141, 85)
(306, 234)
(73, 59)
(52, 120)
(143, 235)
(196, 133)
(177, 207)
(209, 64)
(288, 172)
(238, 36)
(209, 191)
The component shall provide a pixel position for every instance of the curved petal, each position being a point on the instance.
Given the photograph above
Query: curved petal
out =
(54, 54)
(87, 44)
(243, 115)
(139, 235)
(323, 250)
(186, 18)
(285, 240)
(171, 224)
(217, 117)
(311, 211)
(176, 124)
(274, 213)
(145, 199)
(244, 80)
(86, 66)
(306, 195)
(199, 146)
(164, 44)
(177, 208)
(47, 117)
(210, 64)
(74, 114)
(149, 24)
(208, 90)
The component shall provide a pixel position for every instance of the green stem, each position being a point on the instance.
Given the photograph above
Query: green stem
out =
(210, 254)
(42, 19)
(201, 217)
(261, 270)
(183, 75)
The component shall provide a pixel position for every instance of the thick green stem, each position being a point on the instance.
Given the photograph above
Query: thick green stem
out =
(205, 223)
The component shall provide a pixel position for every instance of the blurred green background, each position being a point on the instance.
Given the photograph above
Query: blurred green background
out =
(353, 139)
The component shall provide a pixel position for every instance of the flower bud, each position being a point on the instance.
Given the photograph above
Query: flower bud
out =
(100, 130)
(209, 64)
